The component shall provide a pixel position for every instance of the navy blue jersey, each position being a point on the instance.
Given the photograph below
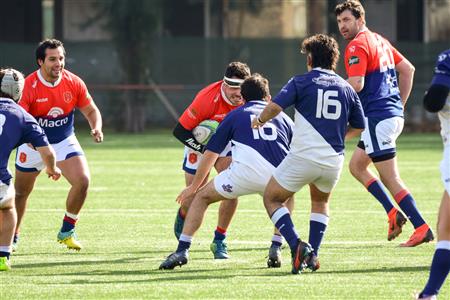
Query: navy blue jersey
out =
(324, 106)
(16, 127)
(253, 147)
(442, 77)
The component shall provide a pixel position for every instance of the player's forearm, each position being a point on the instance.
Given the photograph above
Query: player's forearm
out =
(405, 79)
(95, 120)
(271, 110)
(357, 83)
(48, 156)
(187, 138)
(206, 163)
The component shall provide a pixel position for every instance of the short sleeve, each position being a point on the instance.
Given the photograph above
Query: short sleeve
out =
(32, 132)
(194, 114)
(356, 60)
(356, 117)
(287, 95)
(84, 98)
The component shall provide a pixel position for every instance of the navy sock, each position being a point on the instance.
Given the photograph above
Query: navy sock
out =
(16, 238)
(220, 234)
(5, 254)
(184, 243)
(440, 268)
(408, 206)
(282, 220)
(68, 224)
(375, 187)
(317, 226)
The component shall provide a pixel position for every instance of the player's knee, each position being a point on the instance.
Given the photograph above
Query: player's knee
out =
(82, 183)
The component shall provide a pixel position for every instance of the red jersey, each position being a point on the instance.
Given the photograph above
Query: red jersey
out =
(209, 104)
(373, 57)
(53, 105)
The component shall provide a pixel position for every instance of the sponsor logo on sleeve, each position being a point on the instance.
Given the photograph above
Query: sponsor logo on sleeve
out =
(353, 60)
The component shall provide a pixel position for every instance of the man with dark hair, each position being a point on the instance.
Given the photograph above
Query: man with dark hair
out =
(256, 153)
(324, 104)
(371, 63)
(437, 100)
(51, 95)
(213, 102)
(16, 127)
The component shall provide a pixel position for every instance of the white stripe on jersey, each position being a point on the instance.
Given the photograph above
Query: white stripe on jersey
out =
(307, 143)
(444, 117)
(248, 156)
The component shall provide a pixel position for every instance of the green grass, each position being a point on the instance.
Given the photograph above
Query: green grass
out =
(126, 229)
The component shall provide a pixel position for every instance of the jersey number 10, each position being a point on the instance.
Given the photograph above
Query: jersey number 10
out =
(324, 102)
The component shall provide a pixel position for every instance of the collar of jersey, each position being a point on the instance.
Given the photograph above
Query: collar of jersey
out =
(45, 82)
(324, 70)
(6, 99)
(365, 29)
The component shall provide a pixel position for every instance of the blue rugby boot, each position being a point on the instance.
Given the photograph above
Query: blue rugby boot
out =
(175, 259)
(220, 249)
(69, 238)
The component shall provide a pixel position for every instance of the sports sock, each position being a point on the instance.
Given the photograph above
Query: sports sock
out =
(16, 238)
(69, 222)
(220, 234)
(282, 220)
(375, 187)
(317, 227)
(440, 268)
(184, 243)
(277, 240)
(408, 206)
(5, 251)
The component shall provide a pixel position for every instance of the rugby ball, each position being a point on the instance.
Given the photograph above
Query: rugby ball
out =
(204, 131)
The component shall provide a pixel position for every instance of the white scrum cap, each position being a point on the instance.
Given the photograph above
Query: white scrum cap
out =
(12, 83)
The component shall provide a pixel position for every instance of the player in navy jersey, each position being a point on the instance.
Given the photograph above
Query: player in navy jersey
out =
(255, 154)
(437, 100)
(324, 106)
(16, 127)
(371, 63)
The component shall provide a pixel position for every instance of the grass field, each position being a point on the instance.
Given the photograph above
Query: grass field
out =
(126, 229)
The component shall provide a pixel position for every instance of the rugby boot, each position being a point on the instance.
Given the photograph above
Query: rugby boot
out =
(312, 262)
(178, 225)
(5, 264)
(299, 256)
(423, 234)
(69, 238)
(175, 259)
(396, 221)
(220, 249)
(274, 260)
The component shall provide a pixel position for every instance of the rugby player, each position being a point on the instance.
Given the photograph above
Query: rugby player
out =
(255, 154)
(437, 100)
(16, 127)
(371, 63)
(324, 105)
(51, 94)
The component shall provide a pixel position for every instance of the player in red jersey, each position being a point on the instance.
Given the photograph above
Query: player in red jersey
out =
(371, 63)
(51, 94)
(211, 103)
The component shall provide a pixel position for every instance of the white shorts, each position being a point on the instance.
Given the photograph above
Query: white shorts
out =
(380, 135)
(445, 168)
(239, 180)
(294, 172)
(6, 193)
(29, 160)
(192, 158)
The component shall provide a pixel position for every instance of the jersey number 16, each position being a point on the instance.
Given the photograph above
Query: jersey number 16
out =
(324, 102)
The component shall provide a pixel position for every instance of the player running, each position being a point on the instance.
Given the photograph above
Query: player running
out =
(437, 100)
(16, 127)
(51, 95)
(213, 102)
(324, 104)
(255, 155)
(371, 63)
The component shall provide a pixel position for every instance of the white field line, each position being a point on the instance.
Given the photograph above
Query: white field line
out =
(171, 211)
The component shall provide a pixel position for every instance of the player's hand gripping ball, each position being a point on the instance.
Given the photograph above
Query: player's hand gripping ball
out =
(204, 131)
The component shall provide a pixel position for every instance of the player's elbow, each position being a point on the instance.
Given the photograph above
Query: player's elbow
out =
(435, 98)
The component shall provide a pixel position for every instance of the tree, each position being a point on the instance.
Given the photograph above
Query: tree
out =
(132, 25)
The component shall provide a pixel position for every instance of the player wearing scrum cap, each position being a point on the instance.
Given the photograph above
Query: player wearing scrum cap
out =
(16, 127)
(51, 94)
